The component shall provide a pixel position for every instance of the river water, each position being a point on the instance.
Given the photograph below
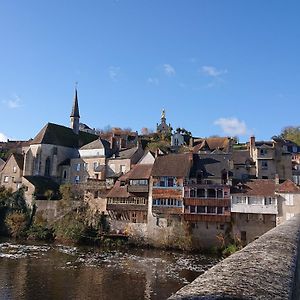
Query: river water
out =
(46, 271)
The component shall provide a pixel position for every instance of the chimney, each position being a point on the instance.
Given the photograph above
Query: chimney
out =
(276, 179)
(252, 145)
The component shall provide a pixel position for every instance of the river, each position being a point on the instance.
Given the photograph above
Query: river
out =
(48, 271)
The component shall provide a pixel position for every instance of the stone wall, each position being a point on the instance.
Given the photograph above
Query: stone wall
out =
(268, 268)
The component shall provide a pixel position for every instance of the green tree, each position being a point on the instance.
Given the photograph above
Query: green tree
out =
(291, 133)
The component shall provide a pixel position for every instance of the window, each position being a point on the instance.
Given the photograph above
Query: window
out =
(263, 151)
(211, 209)
(170, 181)
(123, 168)
(289, 199)
(192, 209)
(15, 169)
(6, 178)
(96, 194)
(86, 166)
(289, 215)
(77, 179)
(47, 167)
(78, 167)
(243, 236)
(65, 174)
(264, 164)
(201, 209)
(219, 210)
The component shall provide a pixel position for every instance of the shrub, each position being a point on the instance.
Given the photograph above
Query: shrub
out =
(40, 232)
(69, 229)
(17, 224)
(230, 249)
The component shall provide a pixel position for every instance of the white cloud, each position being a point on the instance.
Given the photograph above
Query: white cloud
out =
(3, 137)
(114, 72)
(212, 71)
(153, 80)
(13, 102)
(169, 70)
(232, 126)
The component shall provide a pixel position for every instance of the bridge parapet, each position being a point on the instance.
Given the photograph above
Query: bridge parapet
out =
(268, 268)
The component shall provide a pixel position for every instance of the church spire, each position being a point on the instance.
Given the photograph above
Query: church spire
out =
(74, 117)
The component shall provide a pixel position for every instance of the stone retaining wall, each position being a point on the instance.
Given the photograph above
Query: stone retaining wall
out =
(268, 268)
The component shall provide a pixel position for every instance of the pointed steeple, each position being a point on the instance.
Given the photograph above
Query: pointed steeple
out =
(75, 109)
(74, 117)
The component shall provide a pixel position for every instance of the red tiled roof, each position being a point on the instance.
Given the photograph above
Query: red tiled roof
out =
(288, 186)
(139, 171)
(118, 191)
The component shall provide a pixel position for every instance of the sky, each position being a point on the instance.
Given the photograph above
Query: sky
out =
(227, 68)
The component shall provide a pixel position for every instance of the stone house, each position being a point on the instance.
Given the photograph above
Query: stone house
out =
(128, 199)
(288, 194)
(207, 199)
(12, 172)
(122, 162)
(91, 162)
(271, 158)
(244, 167)
(254, 208)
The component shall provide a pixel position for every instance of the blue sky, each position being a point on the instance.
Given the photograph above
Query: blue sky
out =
(217, 67)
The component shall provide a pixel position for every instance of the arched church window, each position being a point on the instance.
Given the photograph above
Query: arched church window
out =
(47, 167)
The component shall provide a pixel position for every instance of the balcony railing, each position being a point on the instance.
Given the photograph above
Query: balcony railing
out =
(207, 218)
(138, 188)
(207, 201)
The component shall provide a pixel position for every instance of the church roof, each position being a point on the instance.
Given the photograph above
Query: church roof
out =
(59, 135)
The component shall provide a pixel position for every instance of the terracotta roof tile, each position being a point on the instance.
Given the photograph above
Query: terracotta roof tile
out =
(139, 171)
(288, 186)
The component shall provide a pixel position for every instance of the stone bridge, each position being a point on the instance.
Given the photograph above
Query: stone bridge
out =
(268, 268)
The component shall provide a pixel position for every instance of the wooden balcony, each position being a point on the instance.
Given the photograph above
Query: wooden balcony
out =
(167, 192)
(138, 188)
(207, 218)
(167, 210)
(127, 207)
(207, 201)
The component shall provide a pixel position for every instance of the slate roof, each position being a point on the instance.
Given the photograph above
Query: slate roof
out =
(240, 157)
(59, 135)
(288, 186)
(256, 187)
(42, 184)
(2, 163)
(97, 144)
(177, 165)
(210, 164)
(139, 171)
(128, 153)
(19, 160)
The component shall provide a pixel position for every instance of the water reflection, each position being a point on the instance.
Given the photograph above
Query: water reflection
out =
(61, 272)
